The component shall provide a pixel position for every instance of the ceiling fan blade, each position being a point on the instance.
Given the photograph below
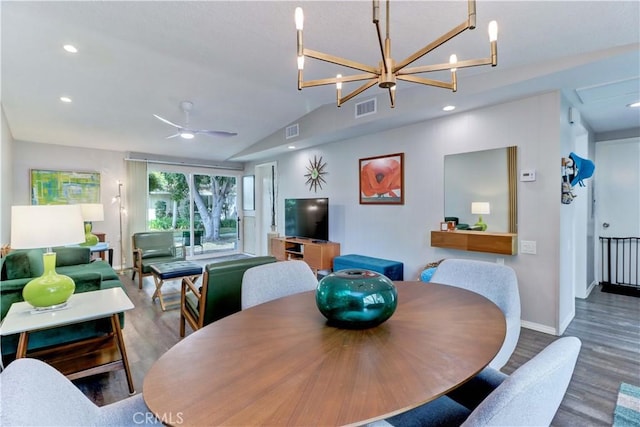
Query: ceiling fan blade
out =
(174, 135)
(215, 133)
(167, 121)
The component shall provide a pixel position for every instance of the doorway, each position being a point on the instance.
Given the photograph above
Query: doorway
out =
(617, 198)
(266, 187)
(199, 206)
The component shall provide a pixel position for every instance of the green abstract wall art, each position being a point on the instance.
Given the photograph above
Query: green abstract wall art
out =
(49, 187)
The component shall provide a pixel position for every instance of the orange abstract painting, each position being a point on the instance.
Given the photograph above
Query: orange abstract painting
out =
(382, 179)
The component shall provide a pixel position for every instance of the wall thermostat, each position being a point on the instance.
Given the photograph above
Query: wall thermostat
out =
(528, 175)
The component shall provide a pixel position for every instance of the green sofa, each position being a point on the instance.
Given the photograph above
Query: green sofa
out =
(20, 266)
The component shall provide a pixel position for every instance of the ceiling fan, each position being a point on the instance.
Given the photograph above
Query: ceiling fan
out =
(185, 131)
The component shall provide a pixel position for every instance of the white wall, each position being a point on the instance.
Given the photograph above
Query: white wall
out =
(6, 179)
(110, 164)
(397, 232)
(403, 232)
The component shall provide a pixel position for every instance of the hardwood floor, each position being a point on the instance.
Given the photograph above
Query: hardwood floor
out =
(607, 324)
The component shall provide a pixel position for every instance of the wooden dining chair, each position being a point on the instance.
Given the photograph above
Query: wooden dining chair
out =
(219, 294)
(495, 282)
(36, 394)
(530, 396)
(271, 281)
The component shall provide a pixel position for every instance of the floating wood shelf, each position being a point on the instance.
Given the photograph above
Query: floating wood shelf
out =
(477, 241)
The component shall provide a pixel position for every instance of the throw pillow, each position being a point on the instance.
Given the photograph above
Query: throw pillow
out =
(17, 266)
(72, 256)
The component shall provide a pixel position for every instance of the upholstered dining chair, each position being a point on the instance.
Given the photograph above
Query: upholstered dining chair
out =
(271, 281)
(495, 282)
(36, 394)
(530, 396)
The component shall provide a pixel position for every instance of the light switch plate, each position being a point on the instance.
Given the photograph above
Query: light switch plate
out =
(528, 247)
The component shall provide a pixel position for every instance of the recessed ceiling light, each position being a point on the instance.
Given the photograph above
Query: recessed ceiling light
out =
(186, 135)
(449, 108)
(65, 99)
(291, 147)
(634, 104)
(70, 48)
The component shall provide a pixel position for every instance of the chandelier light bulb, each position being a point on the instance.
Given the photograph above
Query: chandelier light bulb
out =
(299, 18)
(453, 60)
(301, 62)
(339, 84)
(493, 31)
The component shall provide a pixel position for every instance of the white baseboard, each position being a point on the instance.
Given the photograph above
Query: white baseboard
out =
(567, 320)
(538, 327)
(591, 287)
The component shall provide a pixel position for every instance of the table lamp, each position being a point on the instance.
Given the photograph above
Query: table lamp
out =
(480, 208)
(91, 212)
(46, 226)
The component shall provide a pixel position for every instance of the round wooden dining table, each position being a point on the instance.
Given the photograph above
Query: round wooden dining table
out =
(280, 364)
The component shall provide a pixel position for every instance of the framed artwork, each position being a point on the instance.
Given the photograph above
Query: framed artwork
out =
(248, 193)
(382, 180)
(50, 187)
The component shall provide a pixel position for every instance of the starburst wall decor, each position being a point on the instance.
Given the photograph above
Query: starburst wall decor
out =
(314, 177)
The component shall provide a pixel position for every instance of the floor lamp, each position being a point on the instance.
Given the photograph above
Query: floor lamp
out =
(118, 199)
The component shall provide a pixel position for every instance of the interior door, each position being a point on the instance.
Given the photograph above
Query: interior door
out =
(617, 185)
(617, 202)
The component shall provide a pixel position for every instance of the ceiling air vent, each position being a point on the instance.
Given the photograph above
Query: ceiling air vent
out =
(365, 108)
(292, 131)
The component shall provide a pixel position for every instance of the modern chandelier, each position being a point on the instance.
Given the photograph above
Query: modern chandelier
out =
(389, 71)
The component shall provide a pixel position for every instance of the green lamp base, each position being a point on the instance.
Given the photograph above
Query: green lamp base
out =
(480, 225)
(89, 239)
(51, 289)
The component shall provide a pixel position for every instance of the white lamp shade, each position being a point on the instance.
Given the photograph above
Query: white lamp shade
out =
(92, 211)
(480, 208)
(45, 226)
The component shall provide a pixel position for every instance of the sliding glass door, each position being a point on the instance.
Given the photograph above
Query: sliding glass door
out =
(200, 207)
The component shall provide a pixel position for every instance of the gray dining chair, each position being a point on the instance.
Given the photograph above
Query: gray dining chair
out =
(495, 282)
(36, 394)
(271, 281)
(530, 396)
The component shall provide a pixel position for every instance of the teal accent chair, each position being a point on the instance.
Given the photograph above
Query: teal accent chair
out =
(220, 293)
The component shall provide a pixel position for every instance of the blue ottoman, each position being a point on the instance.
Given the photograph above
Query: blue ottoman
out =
(173, 270)
(394, 270)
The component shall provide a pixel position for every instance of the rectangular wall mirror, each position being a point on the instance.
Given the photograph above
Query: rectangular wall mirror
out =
(488, 180)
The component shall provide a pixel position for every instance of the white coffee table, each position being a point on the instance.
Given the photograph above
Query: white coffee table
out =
(81, 307)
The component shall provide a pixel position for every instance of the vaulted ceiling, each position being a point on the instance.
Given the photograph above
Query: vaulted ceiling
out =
(236, 61)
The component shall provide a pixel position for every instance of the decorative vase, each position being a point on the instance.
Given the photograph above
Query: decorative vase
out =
(356, 298)
(51, 290)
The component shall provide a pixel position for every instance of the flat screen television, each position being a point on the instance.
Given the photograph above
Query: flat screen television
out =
(307, 218)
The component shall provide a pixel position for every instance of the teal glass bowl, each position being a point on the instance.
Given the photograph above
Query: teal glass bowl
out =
(356, 298)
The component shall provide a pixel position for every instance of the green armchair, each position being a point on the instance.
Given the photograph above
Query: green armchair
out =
(220, 293)
(152, 247)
